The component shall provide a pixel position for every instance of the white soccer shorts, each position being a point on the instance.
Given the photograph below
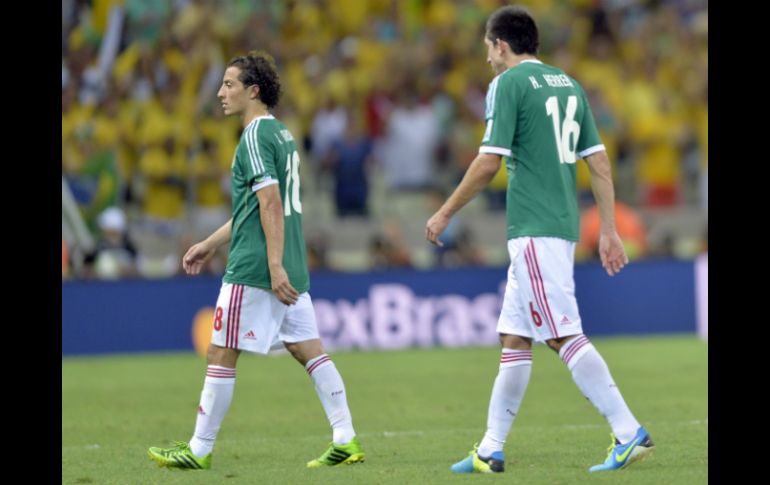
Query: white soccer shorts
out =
(539, 299)
(254, 320)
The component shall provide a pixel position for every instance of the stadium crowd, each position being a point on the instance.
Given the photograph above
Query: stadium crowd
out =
(387, 97)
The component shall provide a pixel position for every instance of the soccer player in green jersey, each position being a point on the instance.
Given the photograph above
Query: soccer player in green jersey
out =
(264, 301)
(539, 122)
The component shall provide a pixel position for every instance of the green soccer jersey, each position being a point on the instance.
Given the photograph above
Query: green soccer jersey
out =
(538, 119)
(266, 155)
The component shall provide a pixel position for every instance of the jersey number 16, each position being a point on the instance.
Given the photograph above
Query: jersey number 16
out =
(566, 132)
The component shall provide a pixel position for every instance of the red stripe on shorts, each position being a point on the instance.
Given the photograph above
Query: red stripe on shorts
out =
(542, 285)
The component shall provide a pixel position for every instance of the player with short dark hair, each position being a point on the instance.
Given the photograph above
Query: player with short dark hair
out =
(539, 122)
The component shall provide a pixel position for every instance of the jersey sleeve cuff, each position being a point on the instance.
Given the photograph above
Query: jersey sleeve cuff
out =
(496, 150)
(268, 181)
(591, 151)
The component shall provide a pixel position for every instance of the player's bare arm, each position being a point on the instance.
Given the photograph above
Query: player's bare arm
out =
(611, 250)
(199, 254)
(271, 215)
(479, 174)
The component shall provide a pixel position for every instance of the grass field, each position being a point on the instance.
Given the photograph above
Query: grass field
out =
(415, 411)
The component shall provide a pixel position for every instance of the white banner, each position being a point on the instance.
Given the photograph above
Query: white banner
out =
(702, 295)
(393, 317)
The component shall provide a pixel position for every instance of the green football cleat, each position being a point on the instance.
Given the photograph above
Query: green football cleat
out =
(180, 456)
(339, 455)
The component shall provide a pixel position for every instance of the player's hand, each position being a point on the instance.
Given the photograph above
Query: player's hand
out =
(282, 289)
(197, 256)
(612, 253)
(435, 226)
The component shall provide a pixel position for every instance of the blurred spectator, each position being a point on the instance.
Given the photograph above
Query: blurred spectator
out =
(387, 250)
(413, 69)
(91, 171)
(208, 171)
(464, 140)
(317, 258)
(348, 160)
(378, 253)
(328, 128)
(145, 19)
(630, 226)
(666, 246)
(409, 148)
(163, 168)
(114, 255)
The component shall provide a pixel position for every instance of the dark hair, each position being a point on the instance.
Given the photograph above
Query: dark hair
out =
(515, 26)
(259, 68)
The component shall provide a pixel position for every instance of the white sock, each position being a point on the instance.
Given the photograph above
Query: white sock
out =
(331, 392)
(592, 376)
(507, 393)
(215, 401)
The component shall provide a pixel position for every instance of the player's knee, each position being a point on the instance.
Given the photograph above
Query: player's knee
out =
(515, 342)
(557, 343)
(304, 351)
(553, 345)
(222, 356)
(293, 349)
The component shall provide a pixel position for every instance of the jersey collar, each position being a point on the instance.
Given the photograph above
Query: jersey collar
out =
(263, 117)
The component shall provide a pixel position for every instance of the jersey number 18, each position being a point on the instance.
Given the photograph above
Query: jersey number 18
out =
(291, 200)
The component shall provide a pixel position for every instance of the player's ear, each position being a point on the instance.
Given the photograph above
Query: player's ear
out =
(503, 44)
(254, 94)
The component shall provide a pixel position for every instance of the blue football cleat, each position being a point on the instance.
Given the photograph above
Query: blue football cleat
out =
(620, 456)
(473, 463)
